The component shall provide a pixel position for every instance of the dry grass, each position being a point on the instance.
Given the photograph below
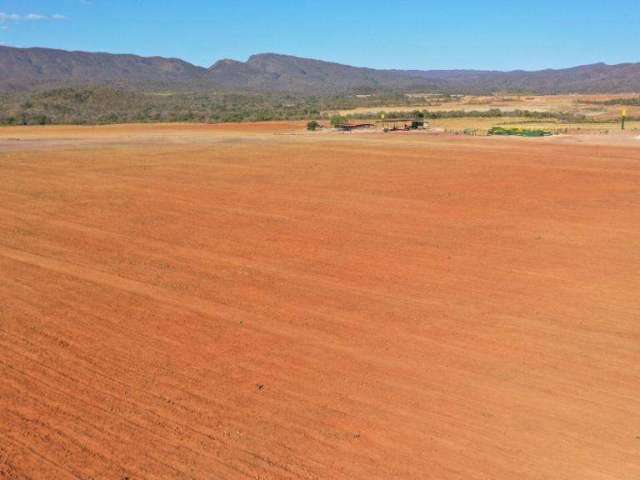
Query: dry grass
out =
(601, 116)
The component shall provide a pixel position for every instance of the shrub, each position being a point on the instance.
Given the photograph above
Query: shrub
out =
(522, 132)
(337, 120)
(312, 126)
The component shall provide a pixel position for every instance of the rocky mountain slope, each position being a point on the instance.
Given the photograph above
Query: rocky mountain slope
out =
(25, 69)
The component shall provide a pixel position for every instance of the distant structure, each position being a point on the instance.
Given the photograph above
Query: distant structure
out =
(402, 124)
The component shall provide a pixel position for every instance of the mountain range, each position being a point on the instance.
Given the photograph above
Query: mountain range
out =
(23, 69)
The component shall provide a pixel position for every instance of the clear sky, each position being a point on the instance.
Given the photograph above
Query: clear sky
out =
(421, 34)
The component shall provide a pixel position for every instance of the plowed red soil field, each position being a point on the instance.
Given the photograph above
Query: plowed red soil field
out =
(230, 302)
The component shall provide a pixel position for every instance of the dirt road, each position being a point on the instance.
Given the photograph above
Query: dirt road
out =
(218, 302)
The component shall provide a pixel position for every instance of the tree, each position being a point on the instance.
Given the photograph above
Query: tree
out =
(312, 126)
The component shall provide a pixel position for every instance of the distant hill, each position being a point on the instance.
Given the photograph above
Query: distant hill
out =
(25, 69)
(41, 68)
(596, 78)
(274, 72)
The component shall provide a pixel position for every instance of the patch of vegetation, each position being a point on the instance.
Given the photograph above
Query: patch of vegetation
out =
(313, 125)
(564, 117)
(104, 105)
(521, 132)
(633, 101)
(337, 120)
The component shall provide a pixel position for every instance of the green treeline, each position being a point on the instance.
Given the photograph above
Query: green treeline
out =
(103, 105)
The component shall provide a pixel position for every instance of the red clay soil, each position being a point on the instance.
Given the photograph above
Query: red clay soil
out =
(318, 307)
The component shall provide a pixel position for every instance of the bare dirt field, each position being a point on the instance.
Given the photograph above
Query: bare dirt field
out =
(227, 302)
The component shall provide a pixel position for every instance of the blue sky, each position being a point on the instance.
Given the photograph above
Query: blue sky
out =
(424, 34)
